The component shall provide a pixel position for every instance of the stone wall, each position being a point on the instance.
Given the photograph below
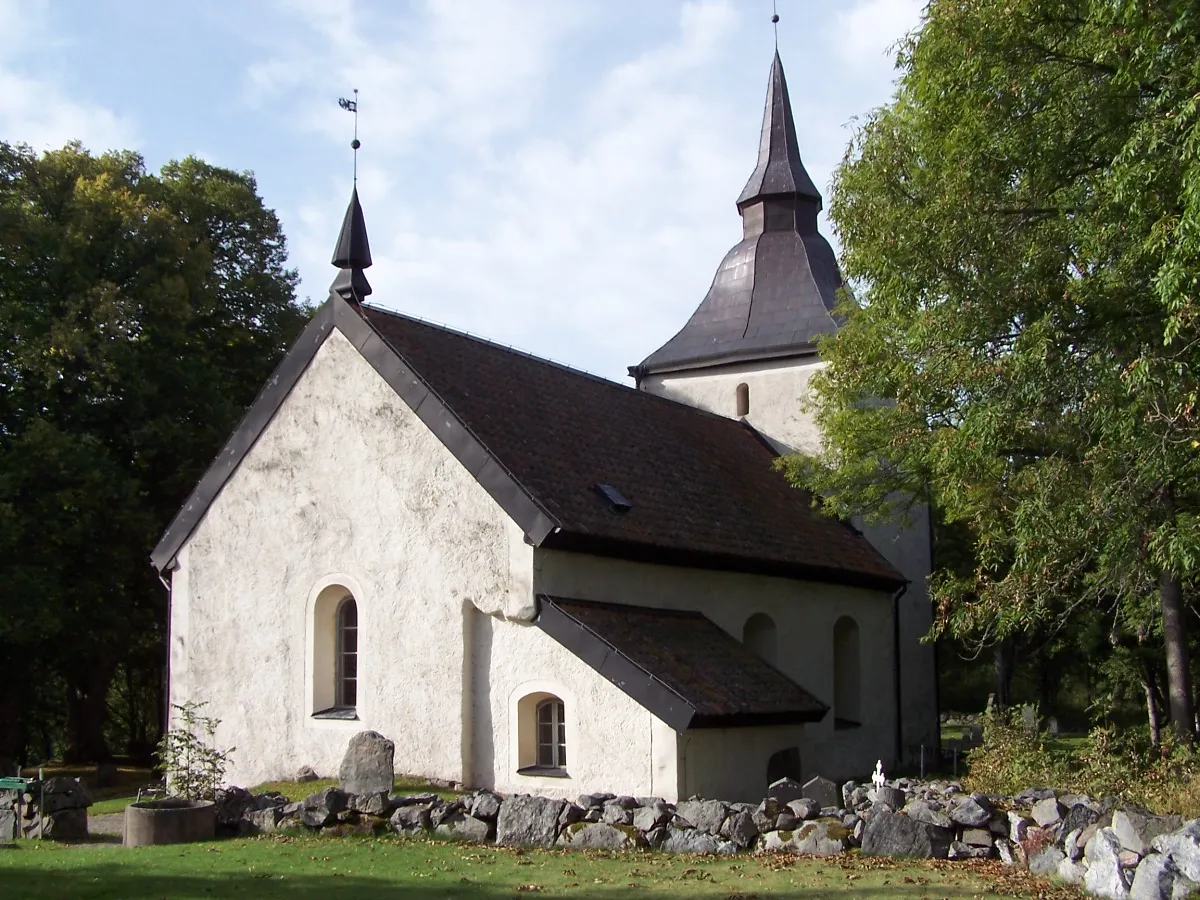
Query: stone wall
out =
(57, 810)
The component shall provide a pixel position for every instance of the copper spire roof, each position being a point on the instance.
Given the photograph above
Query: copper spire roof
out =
(776, 289)
(352, 254)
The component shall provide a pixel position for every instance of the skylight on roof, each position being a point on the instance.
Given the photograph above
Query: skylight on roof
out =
(616, 500)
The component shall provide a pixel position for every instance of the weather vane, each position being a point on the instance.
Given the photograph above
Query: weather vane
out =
(775, 23)
(352, 106)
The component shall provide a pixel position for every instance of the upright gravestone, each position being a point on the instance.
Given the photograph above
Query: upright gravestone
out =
(822, 790)
(367, 767)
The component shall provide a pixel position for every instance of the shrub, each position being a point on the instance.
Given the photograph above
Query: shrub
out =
(191, 763)
(1108, 763)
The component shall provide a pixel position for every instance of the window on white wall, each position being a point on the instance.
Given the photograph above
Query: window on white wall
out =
(743, 399)
(847, 675)
(335, 670)
(759, 636)
(542, 735)
(347, 654)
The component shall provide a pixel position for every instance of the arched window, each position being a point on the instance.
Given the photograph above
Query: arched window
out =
(758, 635)
(743, 399)
(847, 674)
(542, 735)
(551, 734)
(346, 685)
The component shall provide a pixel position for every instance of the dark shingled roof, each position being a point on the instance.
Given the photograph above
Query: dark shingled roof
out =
(775, 291)
(702, 487)
(678, 664)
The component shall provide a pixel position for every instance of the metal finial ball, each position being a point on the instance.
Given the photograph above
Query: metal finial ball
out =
(775, 19)
(355, 144)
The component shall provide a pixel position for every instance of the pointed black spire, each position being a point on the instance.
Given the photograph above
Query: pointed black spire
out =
(779, 173)
(775, 291)
(352, 254)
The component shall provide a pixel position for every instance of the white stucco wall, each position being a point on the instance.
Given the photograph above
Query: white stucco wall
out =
(613, 744)
(345, 486)
(804, 614)
(778, 393)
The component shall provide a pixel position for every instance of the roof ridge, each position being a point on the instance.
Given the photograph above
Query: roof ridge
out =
(533, 357)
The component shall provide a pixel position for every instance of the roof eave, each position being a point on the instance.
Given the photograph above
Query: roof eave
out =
(718, 360)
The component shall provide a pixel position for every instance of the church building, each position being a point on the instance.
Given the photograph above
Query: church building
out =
(536, 580)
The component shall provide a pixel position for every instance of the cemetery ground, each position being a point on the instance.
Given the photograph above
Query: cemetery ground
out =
(349, 867)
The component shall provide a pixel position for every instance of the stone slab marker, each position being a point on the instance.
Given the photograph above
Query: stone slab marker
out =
(367, 767)
(823, 791)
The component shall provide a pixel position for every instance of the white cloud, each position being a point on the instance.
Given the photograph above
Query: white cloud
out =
(34, 108)
(866, 34)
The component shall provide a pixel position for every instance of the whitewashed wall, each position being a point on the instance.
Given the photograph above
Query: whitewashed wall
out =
(346, 485)
(804, 614)
(779, 390)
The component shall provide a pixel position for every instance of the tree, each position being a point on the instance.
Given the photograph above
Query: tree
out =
(139, 315)
(1022, 224)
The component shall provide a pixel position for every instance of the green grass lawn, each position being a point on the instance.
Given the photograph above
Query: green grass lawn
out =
(343, 868)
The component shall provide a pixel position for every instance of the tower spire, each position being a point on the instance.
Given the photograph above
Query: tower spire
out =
(779, 172)
(353, 251)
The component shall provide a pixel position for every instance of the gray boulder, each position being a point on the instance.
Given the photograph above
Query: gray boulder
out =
(459, 826)
(1010, 852)
(689, 840)
(526, 821)
(1046, 860)
(963, 850)
(1183, 845)
(805, 808)
(65, 793)
(824, 837)
(376, 804)
(824, 791)
(65, 825)
(263, 821)
(922, 811)
(1105, 876)
(1071, 870)
(367, 767)
(485, 805)
(1155, 879)
(614, 814)
(597, 836)
(572, 814)
(1079, 816)
(410, 818)
(765, 815)
(891, 834)
(977, 837)
(848, 790)
(1136, 830)
(647, 818)
(973, 812)
(305, 774)
(8, 824)
(1048, 812)
(785, 790)
(704, 815)
(739, 828)
(888, 796)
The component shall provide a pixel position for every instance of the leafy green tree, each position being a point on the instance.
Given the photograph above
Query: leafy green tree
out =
(139, 316)
(1022, 224)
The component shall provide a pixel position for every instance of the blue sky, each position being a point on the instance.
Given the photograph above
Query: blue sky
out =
(559, 175)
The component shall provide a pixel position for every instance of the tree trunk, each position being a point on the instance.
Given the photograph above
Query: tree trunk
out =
(1151, 706)
(1005, 656)
(87, 713)
(1179, 671)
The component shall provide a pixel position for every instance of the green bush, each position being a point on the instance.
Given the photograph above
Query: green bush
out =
(1121, 763)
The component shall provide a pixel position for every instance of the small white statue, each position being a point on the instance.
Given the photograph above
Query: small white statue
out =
(878, 778)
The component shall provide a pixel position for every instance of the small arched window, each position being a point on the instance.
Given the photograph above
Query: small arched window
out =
(759, 636)
(551, 734)
(847, 674)
(743, 399)
(346, 650)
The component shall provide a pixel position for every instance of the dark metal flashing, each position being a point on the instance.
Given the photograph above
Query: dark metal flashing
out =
(253, 423)
(417, 395)
(642, 686)
(595, 545)
(717, 362)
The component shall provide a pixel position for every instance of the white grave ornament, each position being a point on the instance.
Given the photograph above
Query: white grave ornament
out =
(878, 778)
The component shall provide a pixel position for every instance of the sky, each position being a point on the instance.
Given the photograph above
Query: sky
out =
(558, 175)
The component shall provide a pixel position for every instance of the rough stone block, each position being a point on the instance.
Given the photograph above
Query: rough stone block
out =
(739, 828)
(805, 808)
(458, 826)
(785, 790)
(704, 815)
(367, 766)
(689, 840)
(1048, 812)
(598, 836)
(824, 791)
(528, 821)
(1045, 861)
(1136, 830)
(973, 812)
(891, 834)
(485, 805)
(1105, 876)
(1184, 846)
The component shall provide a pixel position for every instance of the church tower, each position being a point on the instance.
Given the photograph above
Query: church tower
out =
(749, 350)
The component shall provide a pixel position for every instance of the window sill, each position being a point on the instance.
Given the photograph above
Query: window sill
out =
(544, 772)
(348, 713)
(845, 724)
